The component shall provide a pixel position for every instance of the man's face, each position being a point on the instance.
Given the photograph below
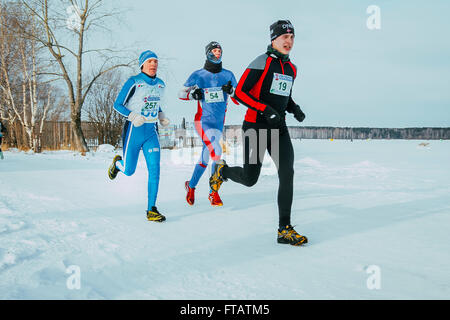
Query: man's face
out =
(150, 67)
(217, 52)
(284, 43)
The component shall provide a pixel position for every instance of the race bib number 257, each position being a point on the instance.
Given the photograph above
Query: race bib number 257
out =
(150, 108)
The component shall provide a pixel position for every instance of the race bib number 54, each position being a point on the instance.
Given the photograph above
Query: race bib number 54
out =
(281, 84)
(213, 95)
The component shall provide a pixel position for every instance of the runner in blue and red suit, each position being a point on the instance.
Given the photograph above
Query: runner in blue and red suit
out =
(266, 89)
(210, 86)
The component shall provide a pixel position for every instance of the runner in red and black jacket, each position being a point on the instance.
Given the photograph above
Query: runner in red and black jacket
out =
(267, 106)
(266, 89)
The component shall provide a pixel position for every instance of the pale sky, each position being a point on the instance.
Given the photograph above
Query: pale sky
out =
(397, 76)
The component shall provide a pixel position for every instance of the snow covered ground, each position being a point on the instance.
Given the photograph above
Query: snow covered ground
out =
(377, 215)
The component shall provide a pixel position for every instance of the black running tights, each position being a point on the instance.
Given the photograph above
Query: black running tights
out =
(279, 146)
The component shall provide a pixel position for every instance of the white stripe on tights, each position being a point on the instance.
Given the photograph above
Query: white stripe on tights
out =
(127, 147)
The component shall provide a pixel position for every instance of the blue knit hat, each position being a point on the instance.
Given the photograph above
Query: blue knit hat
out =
(145, 56)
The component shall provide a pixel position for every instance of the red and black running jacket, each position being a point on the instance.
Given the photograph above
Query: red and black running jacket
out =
(253, 89)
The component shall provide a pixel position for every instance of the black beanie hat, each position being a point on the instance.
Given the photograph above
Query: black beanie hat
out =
(280, 27)
(212, 45)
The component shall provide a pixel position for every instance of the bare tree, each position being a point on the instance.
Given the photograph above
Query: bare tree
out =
(99, 108)
(69, 58)
(8, 62)
(19, 68)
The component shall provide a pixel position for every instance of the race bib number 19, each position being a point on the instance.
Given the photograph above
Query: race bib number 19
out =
(281, 84)
(213, 95)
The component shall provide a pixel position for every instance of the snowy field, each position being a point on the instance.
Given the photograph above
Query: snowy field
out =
(377, 215)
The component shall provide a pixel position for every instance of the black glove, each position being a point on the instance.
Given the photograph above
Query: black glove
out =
(228, 88)
(197, 94)
(272, 117)
(298, 113)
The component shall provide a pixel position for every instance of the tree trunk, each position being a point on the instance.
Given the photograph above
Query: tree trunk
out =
(78, 141)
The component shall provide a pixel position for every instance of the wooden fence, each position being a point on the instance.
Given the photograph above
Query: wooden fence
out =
(57, 135)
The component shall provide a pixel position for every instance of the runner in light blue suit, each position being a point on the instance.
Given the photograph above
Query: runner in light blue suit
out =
(140, 101)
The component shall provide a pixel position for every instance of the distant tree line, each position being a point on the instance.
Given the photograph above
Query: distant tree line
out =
(350, 133)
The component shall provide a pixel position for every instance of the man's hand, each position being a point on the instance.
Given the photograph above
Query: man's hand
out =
(298, 113)
(228, 88)
(272, 117)
(197, 94)
(163, 119)
(136, 119)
